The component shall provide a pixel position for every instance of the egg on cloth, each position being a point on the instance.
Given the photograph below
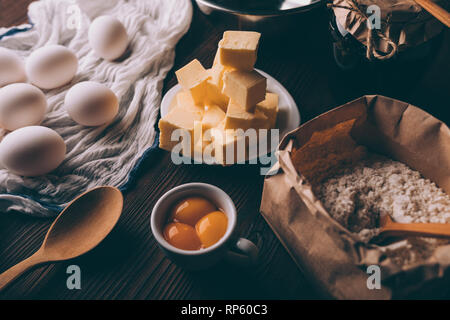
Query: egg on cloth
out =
(32, 151)
(91, 104)
(108, 37)
(21, 105)
(12, 69)
(51, 66)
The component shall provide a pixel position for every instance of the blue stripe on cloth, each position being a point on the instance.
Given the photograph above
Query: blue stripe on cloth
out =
(142, 163)
(15, 30)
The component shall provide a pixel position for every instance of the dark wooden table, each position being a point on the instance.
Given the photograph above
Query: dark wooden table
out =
(129, 265)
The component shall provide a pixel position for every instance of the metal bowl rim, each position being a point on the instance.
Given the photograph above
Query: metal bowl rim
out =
(263, 13)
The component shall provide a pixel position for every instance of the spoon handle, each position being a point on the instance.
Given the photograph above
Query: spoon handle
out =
(417, 229)
(14, 272)
(435, 10)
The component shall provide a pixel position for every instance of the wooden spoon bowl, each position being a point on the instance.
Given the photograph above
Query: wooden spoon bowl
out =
(79, 228)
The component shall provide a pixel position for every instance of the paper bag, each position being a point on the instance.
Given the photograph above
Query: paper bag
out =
(404, 22)
(335, 258)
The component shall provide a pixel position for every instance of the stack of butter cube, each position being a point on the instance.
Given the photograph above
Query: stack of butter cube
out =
(214, 103)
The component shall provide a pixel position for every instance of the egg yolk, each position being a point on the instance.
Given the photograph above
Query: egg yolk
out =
(191, 210)
(182, 236)
(211, 228)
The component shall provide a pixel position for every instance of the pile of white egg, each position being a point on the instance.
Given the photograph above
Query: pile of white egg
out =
(33, 150)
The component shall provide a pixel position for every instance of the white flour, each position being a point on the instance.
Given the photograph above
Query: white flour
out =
(357, 196)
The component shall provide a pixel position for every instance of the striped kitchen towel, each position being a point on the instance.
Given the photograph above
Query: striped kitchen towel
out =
(108, 155)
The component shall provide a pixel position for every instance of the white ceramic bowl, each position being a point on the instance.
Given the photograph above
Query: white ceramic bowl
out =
(203, 258)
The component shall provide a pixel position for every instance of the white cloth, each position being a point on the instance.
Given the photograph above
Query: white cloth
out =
(102, 155)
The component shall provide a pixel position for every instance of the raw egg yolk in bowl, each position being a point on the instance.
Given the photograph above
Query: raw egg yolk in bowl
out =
(192, 209)
(211, 228)
(195, 223)
(182, 236)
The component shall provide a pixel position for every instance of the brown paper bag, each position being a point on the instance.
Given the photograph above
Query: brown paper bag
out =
(334, 257)
(402, 21)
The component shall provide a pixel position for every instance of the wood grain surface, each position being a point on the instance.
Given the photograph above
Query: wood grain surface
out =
(129, 265)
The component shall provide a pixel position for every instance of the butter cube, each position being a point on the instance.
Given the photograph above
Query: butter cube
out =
(214, 86)
(217, 57)
(184, 97)
(206, 144)
(212, 116)
(192, 77)
(216, 74)
(229, 148)
(269, 107)
(238, 49)
(215, 96)
(178, 118)
(174, 103)
(238, 118)
(245, 88)
(185, 101)
(197, 145)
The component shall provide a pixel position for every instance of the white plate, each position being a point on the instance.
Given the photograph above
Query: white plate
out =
(288, 117)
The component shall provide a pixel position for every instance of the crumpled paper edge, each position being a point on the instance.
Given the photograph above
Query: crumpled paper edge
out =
(352, 252)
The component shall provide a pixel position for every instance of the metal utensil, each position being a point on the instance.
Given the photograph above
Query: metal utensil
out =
(267, 16)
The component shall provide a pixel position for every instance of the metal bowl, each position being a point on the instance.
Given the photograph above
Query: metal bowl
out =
(268, 16)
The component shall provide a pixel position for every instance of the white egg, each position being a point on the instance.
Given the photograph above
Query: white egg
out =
(32, 151)
(108, 37)
(21, 105)
(51, 66)
(11, 68)
(91, 104)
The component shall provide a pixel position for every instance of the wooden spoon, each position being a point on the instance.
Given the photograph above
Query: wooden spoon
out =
(80, 227)
(435, 10)
(391, 228)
